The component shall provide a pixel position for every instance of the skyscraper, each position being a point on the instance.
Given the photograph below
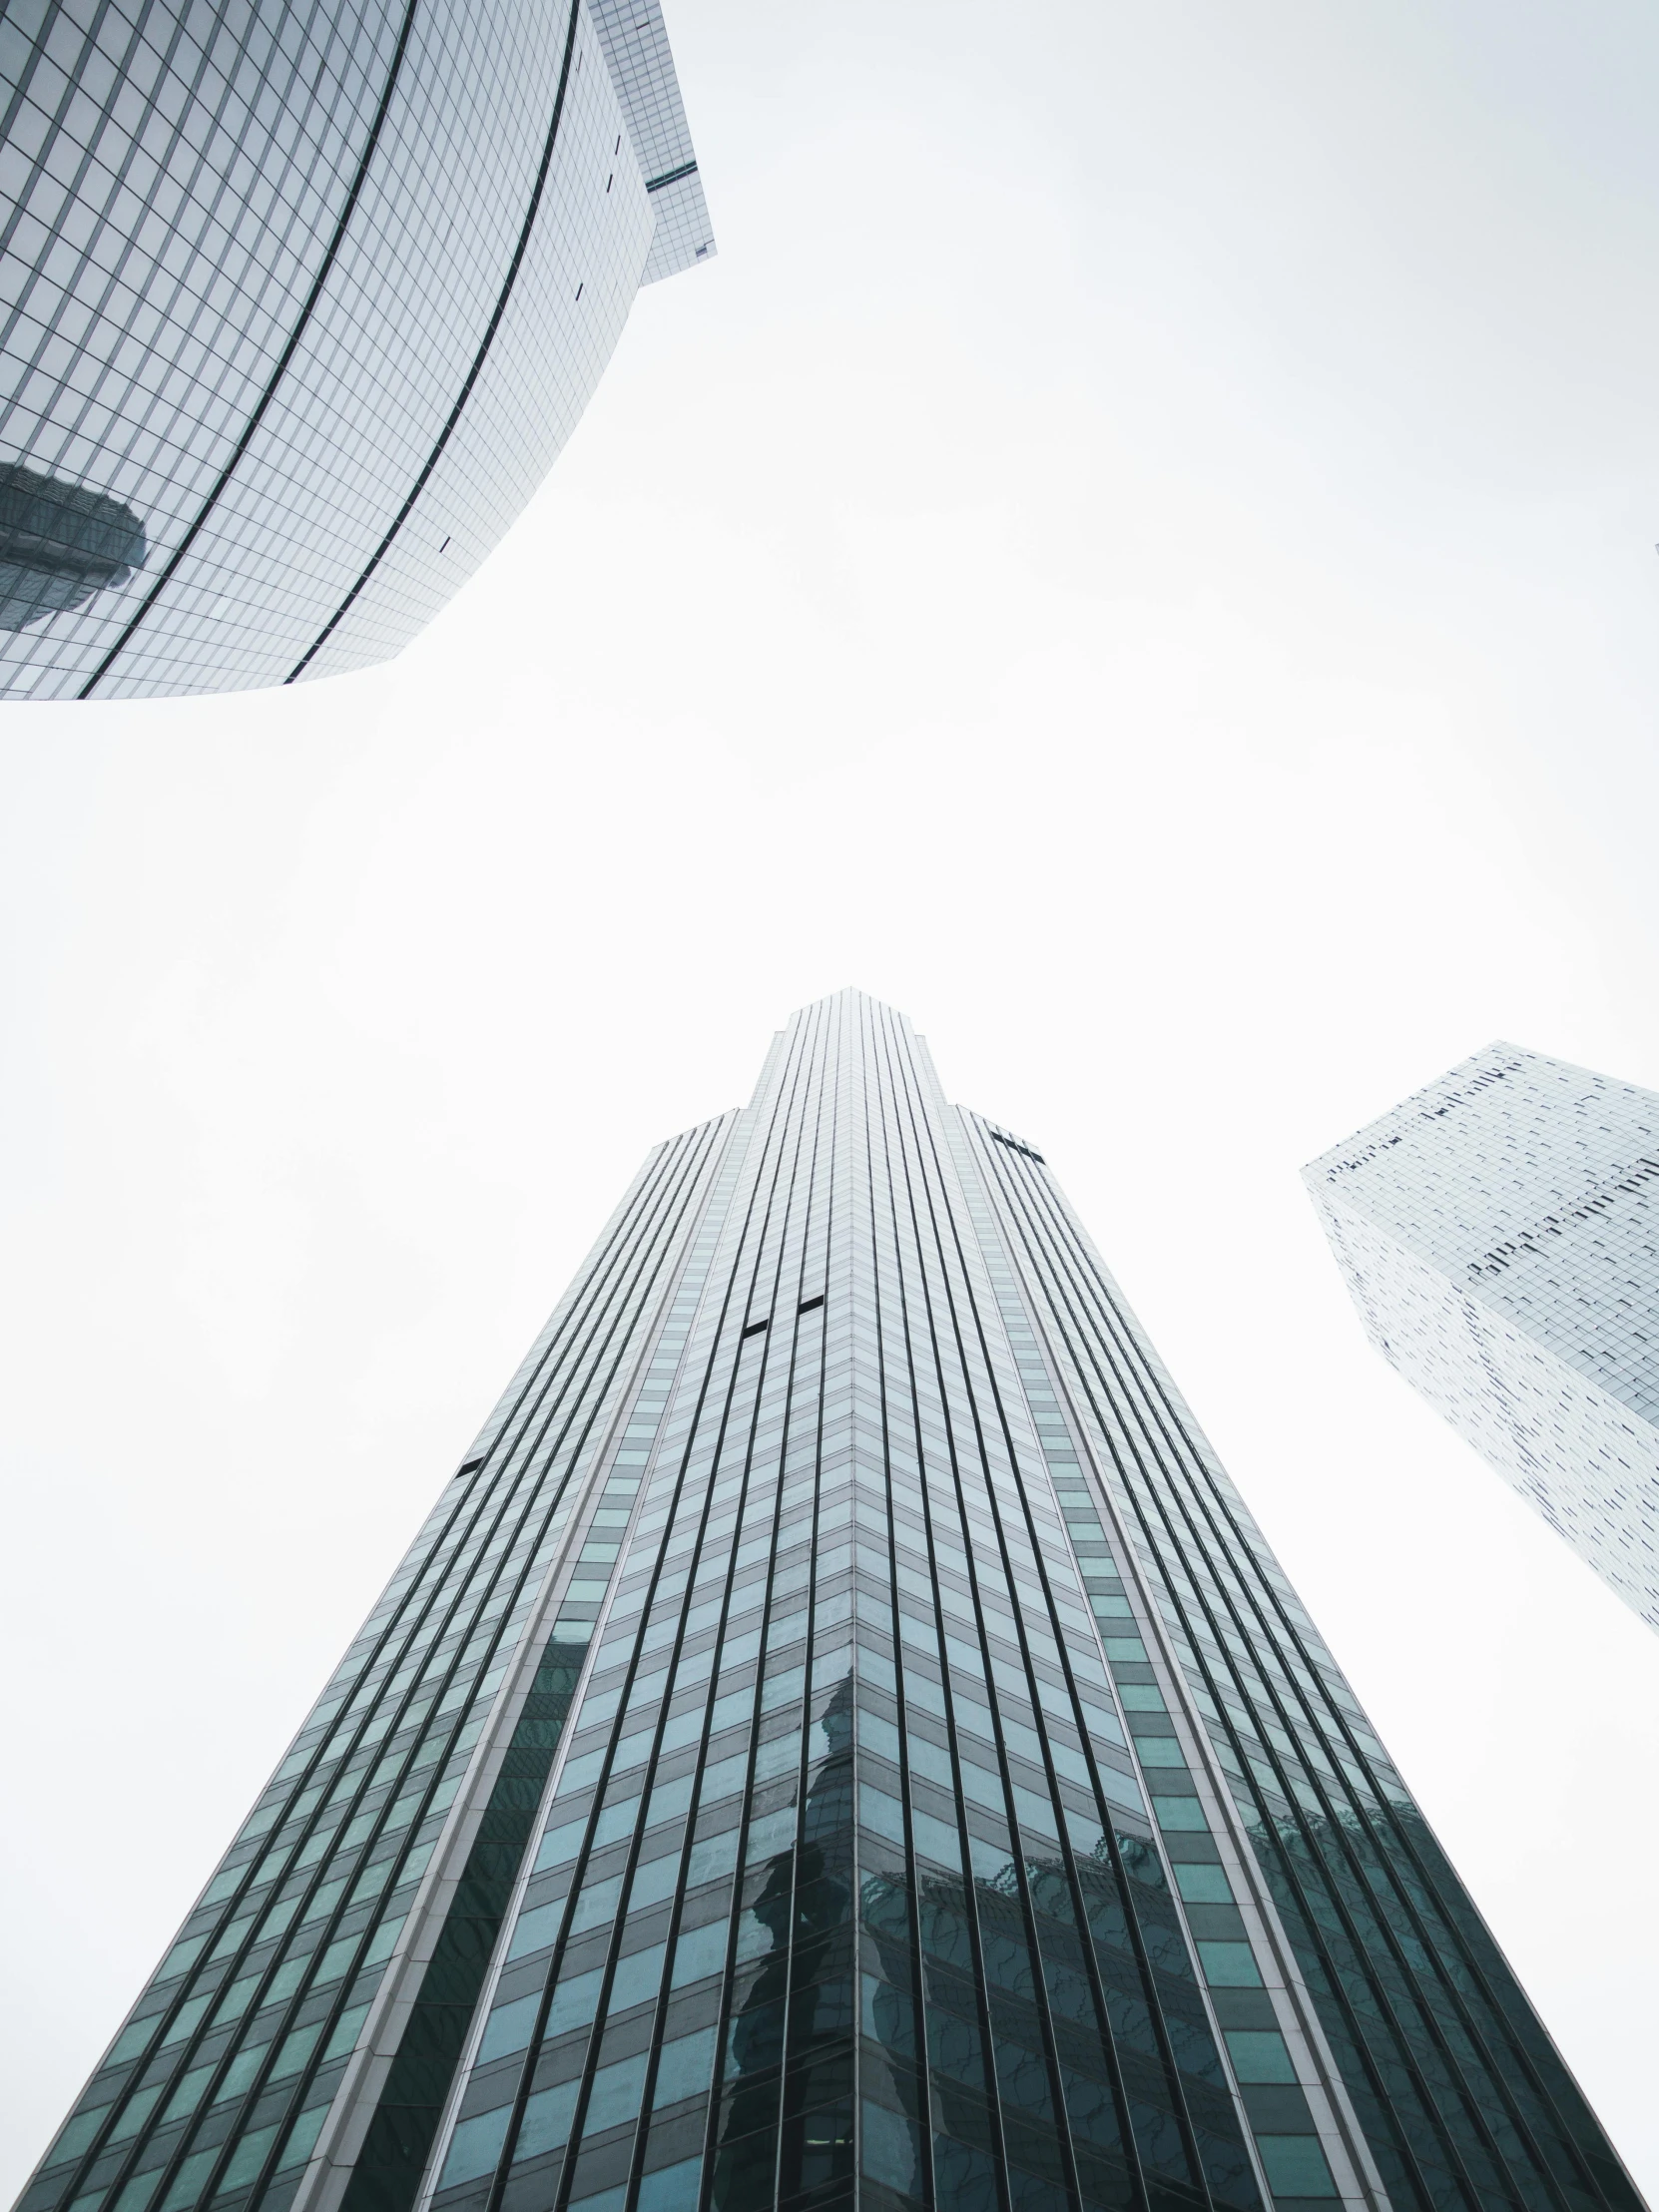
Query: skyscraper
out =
(1496, 1233)
(302, 304)
(838, 1740)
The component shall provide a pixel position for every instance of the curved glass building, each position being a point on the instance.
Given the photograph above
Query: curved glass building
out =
(839, 1741)
(302, 303)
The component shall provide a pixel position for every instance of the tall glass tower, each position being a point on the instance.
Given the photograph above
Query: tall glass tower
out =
(299, 303)
(838, 1740)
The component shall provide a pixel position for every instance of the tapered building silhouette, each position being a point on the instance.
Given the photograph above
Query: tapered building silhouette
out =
(838, 1740)
(300, 304)
(1498, 1234)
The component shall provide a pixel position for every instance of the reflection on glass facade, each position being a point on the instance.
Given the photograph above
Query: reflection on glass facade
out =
(300, 304)
(840, 1740)
(1498, 1234)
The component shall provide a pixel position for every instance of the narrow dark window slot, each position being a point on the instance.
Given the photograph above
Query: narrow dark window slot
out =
(387, 2172)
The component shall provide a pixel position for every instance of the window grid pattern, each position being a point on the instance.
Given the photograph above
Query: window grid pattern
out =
(636, 45)
(1498, 1234)
(1306, 2142)
(848, 1884)
(1461, 2097)
(306, 298)
(839, 1741)
(220, 2083)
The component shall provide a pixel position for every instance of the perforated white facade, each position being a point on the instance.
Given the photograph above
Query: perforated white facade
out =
(1497, 1232)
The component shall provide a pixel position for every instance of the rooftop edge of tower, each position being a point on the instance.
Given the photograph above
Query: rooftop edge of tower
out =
(1364, 1145)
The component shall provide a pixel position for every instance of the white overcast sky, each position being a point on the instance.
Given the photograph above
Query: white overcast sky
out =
(1141, 552)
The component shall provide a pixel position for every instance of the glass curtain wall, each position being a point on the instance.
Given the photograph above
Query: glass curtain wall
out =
(897, 1775)
(383, 1846)
(299, 304)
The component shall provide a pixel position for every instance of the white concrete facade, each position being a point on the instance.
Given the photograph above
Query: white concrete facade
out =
(1497, 1232)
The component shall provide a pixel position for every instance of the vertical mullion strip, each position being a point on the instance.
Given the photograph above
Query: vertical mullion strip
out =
(912, 1878)
(916, 1115)
(1078, 1337)
(1472, 2104)
(1208, 1505)
(892, 1135)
